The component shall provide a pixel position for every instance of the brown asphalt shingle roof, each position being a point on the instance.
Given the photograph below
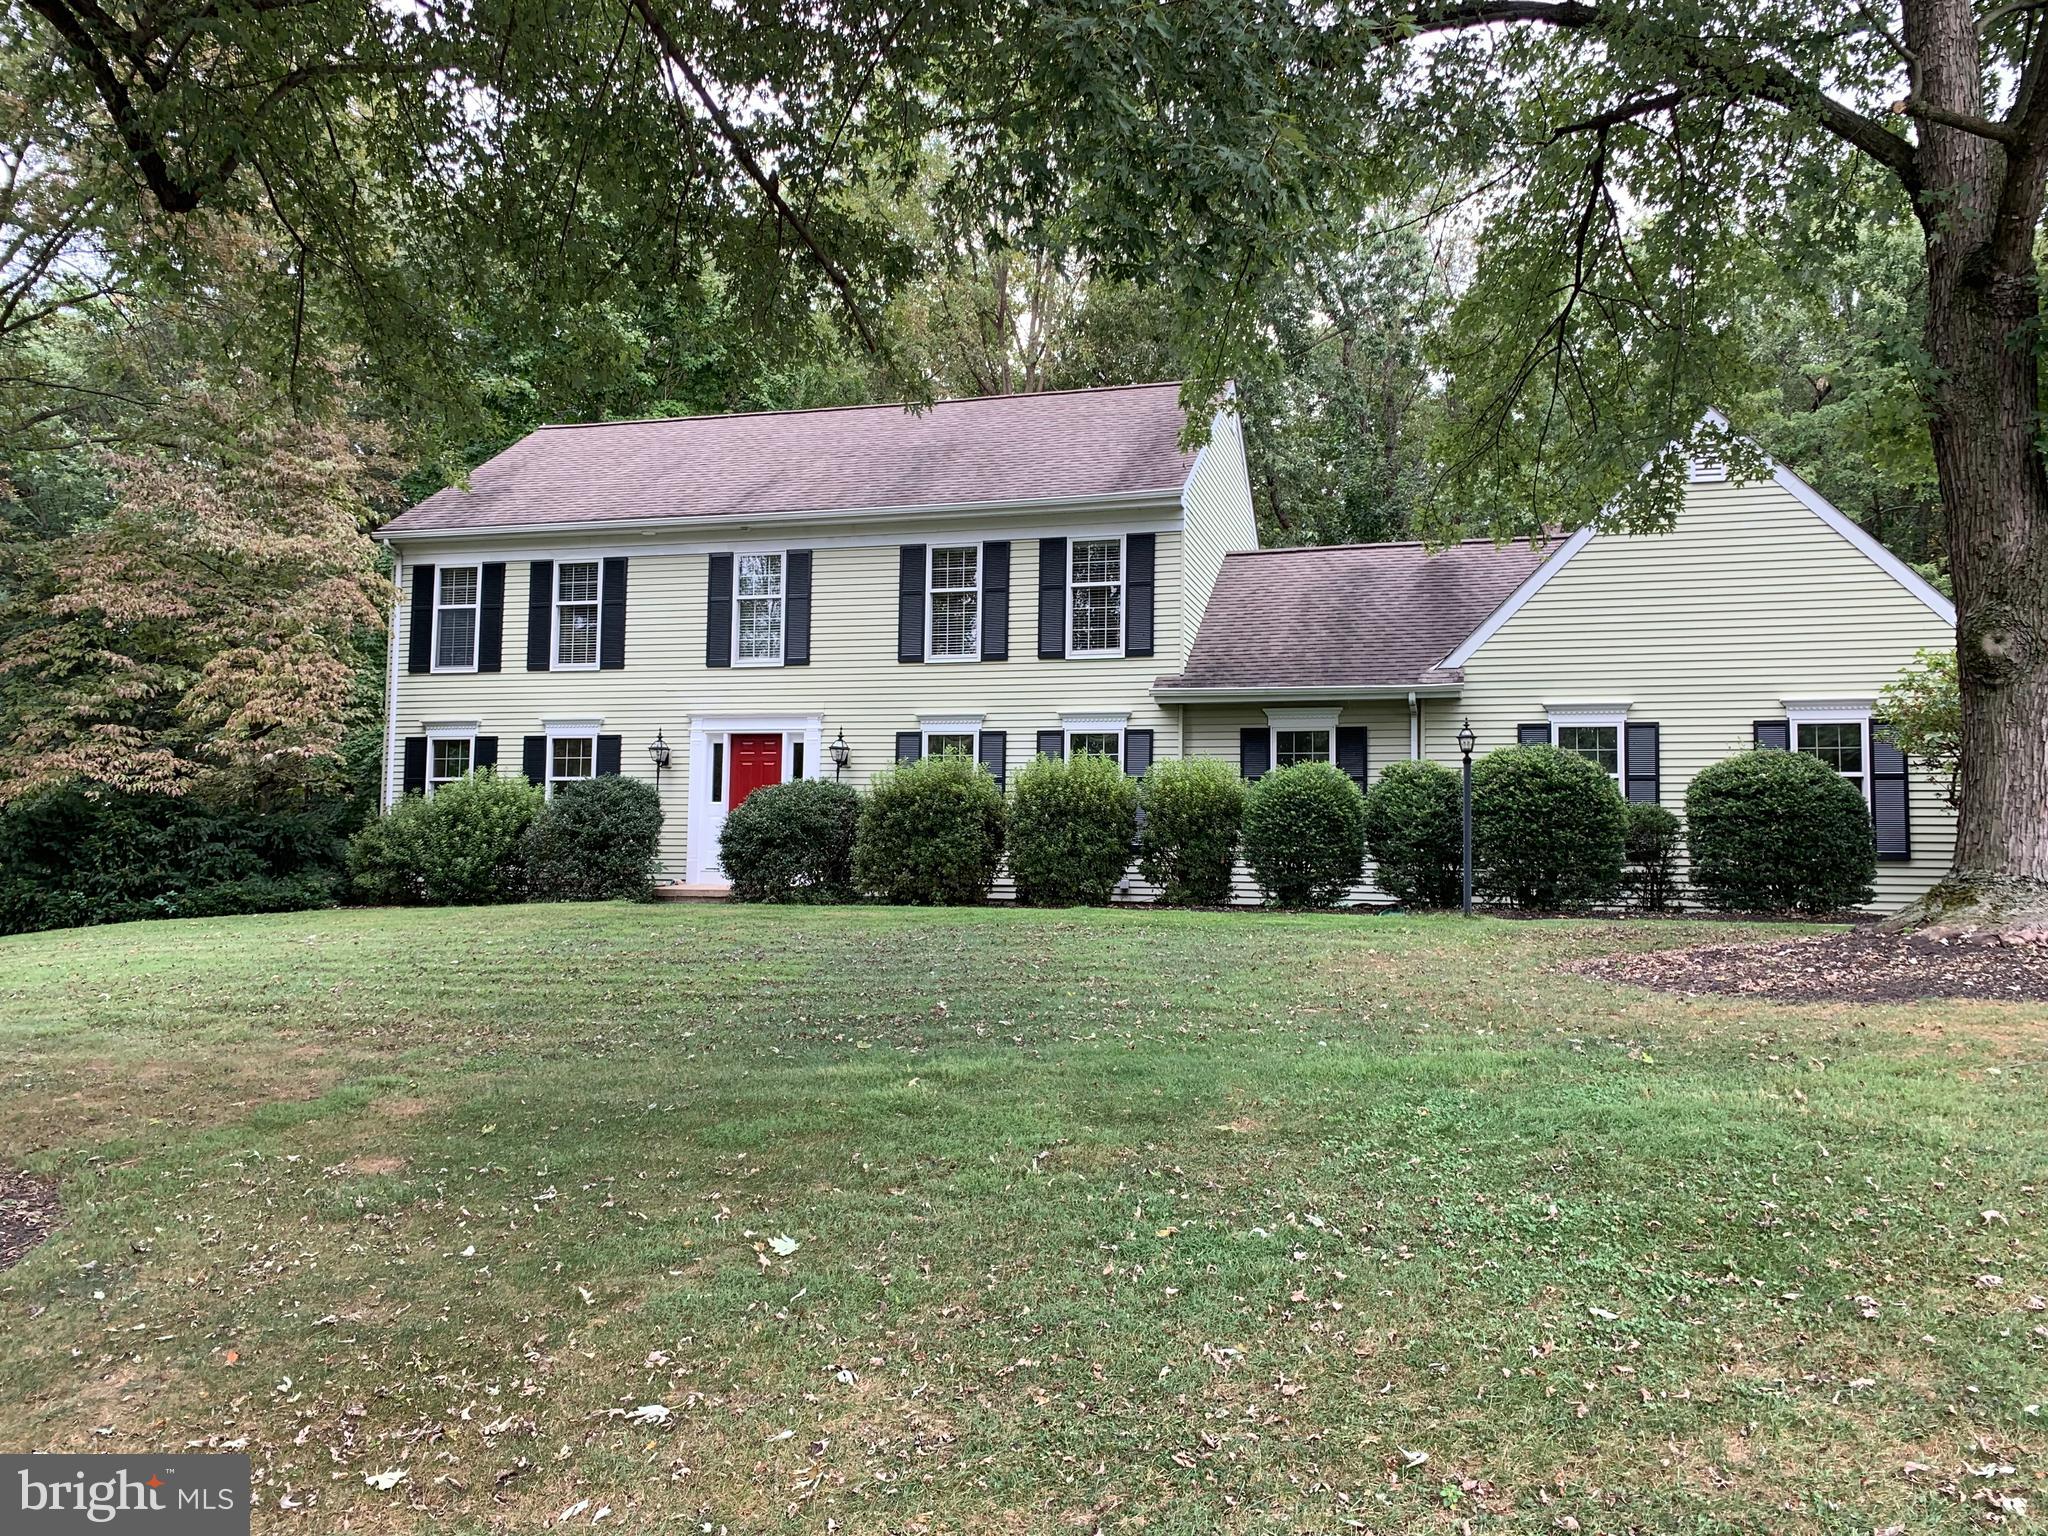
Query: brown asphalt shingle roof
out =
(1349, 616)
(1006, 448)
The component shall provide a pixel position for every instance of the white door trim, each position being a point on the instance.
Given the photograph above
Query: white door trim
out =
(707, 816)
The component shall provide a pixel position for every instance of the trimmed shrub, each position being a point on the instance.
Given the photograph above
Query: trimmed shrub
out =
(1072, 822)
(931, 833)
(461, 847)
(1187, 842)
(1414, 833)
(792, 842)
(1548, 830)
(1650, 843)
(1776, 831)
(594, 840)
(1304, 835)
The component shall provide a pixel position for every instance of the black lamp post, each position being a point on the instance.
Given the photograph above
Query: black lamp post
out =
(842, 754)
(1466, 741)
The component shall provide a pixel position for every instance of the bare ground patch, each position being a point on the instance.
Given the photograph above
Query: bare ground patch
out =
(1862, 966)
(28, 1214)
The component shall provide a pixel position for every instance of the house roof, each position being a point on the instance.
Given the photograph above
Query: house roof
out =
(1351, 616)
(1070, 445)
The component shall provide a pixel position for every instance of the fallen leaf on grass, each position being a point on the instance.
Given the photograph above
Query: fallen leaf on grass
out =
(384, 1482)
(784, 1246)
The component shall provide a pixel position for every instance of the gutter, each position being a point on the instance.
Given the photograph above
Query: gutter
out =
(1253, 695)
(1154, 500)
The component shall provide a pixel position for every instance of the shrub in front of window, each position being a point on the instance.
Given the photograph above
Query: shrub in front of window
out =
(1304, 835)
(1414, 832)
(1072, 822)
(1548, 830)
(931, 833)
(1774, 831)
(1650, 844)
(792, 842)
(1194, 813)
(461, 847)
(595, 840)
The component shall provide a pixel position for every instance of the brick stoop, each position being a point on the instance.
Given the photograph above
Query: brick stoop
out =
(677, 891)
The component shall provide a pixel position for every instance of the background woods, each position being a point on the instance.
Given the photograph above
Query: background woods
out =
(270, 271)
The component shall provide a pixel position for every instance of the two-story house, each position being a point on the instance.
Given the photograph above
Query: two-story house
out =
(722, 602)
(753, 596)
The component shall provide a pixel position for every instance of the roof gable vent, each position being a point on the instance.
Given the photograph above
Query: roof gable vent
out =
(1706, 469)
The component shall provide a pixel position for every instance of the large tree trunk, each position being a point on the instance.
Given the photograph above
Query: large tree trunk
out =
(1979, 208)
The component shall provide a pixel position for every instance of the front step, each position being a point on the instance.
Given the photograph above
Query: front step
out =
(678, 891)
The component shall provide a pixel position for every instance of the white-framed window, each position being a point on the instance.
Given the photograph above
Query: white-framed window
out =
(1095, 597)
(1837, 731)
(951, 733)
(1302, 736)
(1596, 732)
(1102, 734)
(572, 754)
(953, 603)
(757, 609)
(457, 593)
(450, 755)
(576, 613)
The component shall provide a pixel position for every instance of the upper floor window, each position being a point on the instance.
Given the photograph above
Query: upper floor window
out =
(1095, 598)
(455, 618)
(1292, 746)
(954, 625)
(757, 608)
(1839, 744)
(576, 613)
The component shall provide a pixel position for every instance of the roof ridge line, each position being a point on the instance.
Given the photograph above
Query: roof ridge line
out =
(874, 405)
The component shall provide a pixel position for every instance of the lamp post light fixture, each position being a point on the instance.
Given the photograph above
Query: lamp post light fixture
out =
(1466, 742)
(842, 754)
(657, 754)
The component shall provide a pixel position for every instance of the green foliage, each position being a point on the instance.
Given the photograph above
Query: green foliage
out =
(1651, 844)
(459, 847)
(1304, 835)
(1414, 833)
(1072, 822)
(1187, 845)
(1548, 830)
(595, 840)
(931, 833)
(1773, 831)
(1923, 712)
(69, 858)
(792, 842)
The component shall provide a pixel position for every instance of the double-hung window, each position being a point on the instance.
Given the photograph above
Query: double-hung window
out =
(1597, 744)
(1839, 744)
(571, 756)
(953, 628)
(448, 759)
(1095, 597)
(456, 591)
(939, 743)
(1102, 743)
(757, 609)
(1295, 746)
(576, 599)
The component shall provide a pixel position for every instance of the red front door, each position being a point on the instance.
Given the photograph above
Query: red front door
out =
(756, 760)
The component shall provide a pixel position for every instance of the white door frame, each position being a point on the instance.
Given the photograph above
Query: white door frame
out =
(707, 816)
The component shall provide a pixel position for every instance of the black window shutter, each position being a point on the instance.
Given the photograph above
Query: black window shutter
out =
(1052, 597)
(611, 619)
(607, 755)
(490, 639)
(1772, 733)
(796, 609)
(1140, 557)
(1533, 735)
(909, 746)
(540, 614)
(1137, 753)
(533, 758)
(485, 753)
(718, 613)
(1644, 760)
(1052, 743)
(910, 566)
(415, 780)
(1351, 752)
(995, 747)
(1891, 811)
(1254, 751)
(419, 640)
(995, 602)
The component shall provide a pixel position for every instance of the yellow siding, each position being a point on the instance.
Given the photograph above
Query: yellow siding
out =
(1751, 599)
(854, 680)
(1220, 520)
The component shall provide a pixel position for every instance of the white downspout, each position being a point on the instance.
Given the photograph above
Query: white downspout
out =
(1414, 727)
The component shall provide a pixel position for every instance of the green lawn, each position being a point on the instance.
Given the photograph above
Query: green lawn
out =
(1119, 1221)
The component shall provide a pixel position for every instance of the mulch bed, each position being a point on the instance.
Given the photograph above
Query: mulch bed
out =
(1862, 966)
(28, 1211)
